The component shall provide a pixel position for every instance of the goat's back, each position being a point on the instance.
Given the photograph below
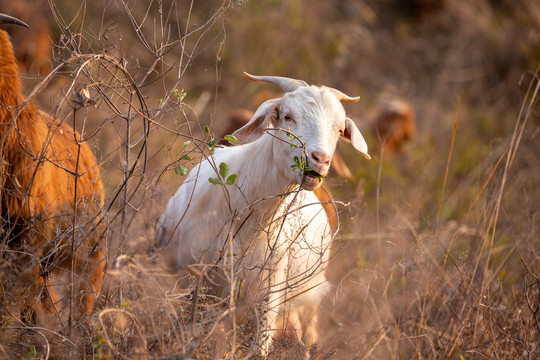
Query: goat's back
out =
(44, 160)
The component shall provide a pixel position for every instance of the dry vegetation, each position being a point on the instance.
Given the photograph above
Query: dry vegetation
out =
(438, 256)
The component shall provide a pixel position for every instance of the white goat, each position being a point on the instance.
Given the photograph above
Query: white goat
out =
(265, 234)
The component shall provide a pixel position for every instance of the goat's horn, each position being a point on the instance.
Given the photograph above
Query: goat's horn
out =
(343, 97)
(6, 19)
(286, 84)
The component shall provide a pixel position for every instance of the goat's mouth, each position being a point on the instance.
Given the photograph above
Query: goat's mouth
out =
(312, 180)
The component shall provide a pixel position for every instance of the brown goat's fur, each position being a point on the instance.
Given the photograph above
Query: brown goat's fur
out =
(51, 195)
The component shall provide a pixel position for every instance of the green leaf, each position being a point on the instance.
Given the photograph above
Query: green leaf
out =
(231, 138)
(223, 170)
(185, 157)
(187, 143)
(212, 143)
(32, 353)
(215, 181)
(180, 95)
(231, 179)
(181, 170)
(206, 129)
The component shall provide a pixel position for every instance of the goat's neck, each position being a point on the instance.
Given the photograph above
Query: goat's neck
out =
(10, 84)
(261, 178)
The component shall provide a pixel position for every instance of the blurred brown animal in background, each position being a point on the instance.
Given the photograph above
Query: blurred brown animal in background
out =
(33, 46)
(51, 194)
(393, 121)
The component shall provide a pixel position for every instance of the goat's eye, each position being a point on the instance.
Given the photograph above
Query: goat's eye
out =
(288, 118)
(341, 132)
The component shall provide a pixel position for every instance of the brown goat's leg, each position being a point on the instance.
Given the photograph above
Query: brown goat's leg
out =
(92, 287)
(32, 296)
(50, 298)
(310, 322)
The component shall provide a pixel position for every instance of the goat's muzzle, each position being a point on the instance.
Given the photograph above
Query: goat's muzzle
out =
(312, 179)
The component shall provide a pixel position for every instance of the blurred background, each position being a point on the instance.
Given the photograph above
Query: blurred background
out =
(438, 256)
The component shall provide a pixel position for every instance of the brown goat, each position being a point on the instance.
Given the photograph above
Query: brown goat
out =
(51, 192)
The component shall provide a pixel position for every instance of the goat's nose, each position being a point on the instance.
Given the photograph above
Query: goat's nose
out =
(321, 158)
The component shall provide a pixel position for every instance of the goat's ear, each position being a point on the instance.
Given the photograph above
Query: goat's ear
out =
(254, 129)
(352, 134)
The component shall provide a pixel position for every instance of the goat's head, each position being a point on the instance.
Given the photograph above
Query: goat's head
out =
(309, 117)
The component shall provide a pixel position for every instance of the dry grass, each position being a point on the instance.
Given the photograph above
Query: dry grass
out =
(438, 256)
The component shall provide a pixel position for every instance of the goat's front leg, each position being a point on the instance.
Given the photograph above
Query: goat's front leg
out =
(50, 298)
(289, 326)
(92, 286)
(310, 324)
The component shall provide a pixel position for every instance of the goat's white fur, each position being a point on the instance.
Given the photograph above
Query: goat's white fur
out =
(281, 232)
